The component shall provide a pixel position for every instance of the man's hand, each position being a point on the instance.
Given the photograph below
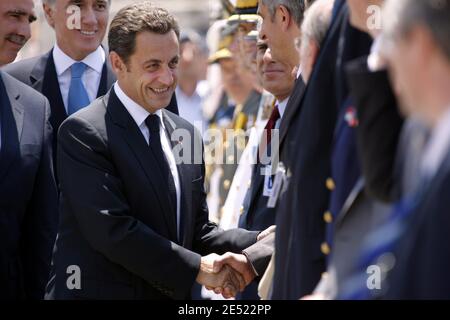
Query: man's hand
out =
(266, 232)
(238, 262)
(223, 281)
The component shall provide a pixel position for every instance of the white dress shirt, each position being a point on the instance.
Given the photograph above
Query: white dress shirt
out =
(281, 108)
(139, 114)
(437, 148)
(191, 107)
(91, 77)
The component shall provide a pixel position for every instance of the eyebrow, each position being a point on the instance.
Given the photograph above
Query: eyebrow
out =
(261, 46)
(19, 12)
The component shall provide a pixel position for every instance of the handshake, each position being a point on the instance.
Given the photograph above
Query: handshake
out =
(229, 273)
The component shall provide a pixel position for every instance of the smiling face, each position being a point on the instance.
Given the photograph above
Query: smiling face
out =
(276, 77)
(150, 75)
(78, 43)
(15, 19)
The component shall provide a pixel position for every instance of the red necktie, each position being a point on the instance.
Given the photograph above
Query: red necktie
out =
(268, 130)
(274, 116)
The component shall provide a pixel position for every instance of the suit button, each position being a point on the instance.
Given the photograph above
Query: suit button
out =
(325, 248)
(330, 184)
(328, 217)
(226, 184)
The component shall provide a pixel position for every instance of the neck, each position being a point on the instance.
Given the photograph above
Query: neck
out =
(187, 86)
(77, 56)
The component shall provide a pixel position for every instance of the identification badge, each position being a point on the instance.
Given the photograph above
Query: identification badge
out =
(268, 182)
(276, 186)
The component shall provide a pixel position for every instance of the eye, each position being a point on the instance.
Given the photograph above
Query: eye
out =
(152, 67)
(173, 64)
(100, 6)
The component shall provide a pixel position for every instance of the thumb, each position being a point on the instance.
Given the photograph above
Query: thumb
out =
(218, 264)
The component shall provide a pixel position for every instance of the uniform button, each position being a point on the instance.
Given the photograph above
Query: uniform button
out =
(325, 248)
(330, 184)
(226, 184)
(324, 275)
(328, 217)
(230, 159)
(241, 210)
(249, 183)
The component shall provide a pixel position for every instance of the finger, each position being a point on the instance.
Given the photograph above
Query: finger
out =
(218, 290)
(237, 279)
(209, 288)
(229, 291)
(220, 261)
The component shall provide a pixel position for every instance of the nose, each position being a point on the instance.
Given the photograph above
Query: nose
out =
(88, 16)
(267, 58)
(24, 29)
(167, 76)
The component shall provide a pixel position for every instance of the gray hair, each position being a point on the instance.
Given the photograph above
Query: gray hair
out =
(400, 16)
(317, 21)
(295, 7)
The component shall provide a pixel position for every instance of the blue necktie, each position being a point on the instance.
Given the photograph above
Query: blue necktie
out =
(380, 243)
(78, 97)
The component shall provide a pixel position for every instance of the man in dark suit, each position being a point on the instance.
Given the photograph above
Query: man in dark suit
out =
(134, 221)
(77, 47)
(413, 260)
(28, 197)
(277, 78)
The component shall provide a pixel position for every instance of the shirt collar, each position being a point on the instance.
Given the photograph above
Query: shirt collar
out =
(299, 72)
(282, 106)
(95, 60)
(138, 113)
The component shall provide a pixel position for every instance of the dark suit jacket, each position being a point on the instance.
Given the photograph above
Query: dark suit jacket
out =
(422, 255)
(299, 261)
(40, 73)
(379, 128)
(28, 196)
(115, 221)
(257, 215)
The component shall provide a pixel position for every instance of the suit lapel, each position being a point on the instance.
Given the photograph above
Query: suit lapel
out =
(136, 141)
(107, 79)
(292, 107)
(291, 110)
(51, 90)
(185, 181)
(12, 113)
(37, 74)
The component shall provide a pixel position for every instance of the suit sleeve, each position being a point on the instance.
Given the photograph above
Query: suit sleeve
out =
(95, 195)
(260, 253)
(41, 219)
(379, 128)
(209, 238)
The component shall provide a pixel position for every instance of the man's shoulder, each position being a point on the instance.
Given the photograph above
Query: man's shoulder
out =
(179, 122)
(22, 69)
(16, 89)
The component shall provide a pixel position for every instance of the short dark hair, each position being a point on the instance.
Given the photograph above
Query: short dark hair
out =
(134, 19)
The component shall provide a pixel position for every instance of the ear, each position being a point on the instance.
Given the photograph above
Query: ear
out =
(314, 52)
(48, 11)
(284, 17)
(117, 64)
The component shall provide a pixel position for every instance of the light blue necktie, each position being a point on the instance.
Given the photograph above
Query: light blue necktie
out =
(78, 97)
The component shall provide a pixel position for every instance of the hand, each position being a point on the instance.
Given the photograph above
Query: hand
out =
(238, 262)
(266, 232)
(223, 281)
